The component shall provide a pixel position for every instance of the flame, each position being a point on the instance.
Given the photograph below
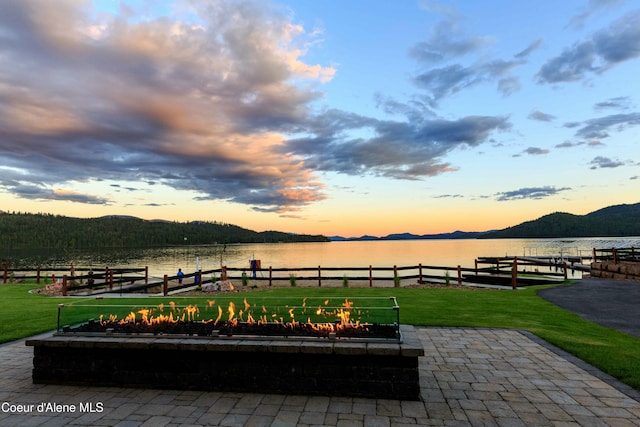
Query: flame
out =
(342, 316)
(232, 311)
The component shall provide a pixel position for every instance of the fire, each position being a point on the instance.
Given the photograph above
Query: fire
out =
(343, 316)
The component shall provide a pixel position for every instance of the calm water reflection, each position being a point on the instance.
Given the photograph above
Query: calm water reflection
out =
(447, 253)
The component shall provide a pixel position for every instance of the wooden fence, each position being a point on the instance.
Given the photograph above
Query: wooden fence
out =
(505, 271)
(616, 255)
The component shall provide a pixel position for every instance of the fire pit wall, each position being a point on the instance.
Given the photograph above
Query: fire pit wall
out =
(374, 369)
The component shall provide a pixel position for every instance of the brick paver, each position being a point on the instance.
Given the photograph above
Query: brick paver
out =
(468, 377)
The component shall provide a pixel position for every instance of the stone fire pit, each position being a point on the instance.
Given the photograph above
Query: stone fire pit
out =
(330, 365)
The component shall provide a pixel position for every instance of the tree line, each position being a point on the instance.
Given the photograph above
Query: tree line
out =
(612, 221)
(26, 230)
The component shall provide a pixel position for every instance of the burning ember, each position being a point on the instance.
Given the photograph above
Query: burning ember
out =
(244, 320)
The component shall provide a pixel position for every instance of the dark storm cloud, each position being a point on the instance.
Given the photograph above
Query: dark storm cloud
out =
(400, 150)
(194, 107)
(604, 162)
(606, 48)
(530, 193)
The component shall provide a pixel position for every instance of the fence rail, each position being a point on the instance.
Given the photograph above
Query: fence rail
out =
(488, 270)
(616, 255)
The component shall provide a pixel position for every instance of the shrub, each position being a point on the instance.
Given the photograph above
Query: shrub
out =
(396, 280)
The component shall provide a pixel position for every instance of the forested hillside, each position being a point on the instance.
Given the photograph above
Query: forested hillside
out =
(18, 230)
(613, 221)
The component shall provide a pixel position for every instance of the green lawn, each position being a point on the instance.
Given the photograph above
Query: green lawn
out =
(618, 354)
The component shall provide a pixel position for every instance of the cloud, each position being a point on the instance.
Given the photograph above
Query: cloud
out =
(617, 103)
(568, 144)
(529, 49)
(35, 192)
(541, 117)
(401, 150)
(536, 151)
(445, 81)
(449, 196)
(604, 162)
(446, 41)
(594, 7)
(599, 128)
(606, 48)
(198, 104)
(535, 193)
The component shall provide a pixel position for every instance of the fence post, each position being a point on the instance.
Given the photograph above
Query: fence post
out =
(111, 280)
(615, 255)
(270, 271)
(165, 285)
(514, 273)
(73, 275)
(595, 259)
(199, 277)
(146, 275)
(420, 273)
(38, 275)
(319, 277)
(223, 273)
(565, 271)
(476, 263)
(7, 264)
(396, 280)
(459, 276)
(370, 277)
(64, 285)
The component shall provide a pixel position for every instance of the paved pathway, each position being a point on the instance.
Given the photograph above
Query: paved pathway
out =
(490, 377)
(612, 303)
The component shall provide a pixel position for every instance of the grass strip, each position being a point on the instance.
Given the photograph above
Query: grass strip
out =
(618, 354)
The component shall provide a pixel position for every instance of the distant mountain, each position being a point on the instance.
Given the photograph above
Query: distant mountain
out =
(411, 236)
(612, 221)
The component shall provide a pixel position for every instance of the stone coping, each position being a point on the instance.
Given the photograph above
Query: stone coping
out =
(408, 346)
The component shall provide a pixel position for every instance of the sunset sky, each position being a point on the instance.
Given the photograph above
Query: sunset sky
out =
(339, 118)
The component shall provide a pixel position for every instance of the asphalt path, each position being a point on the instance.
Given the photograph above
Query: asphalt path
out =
(611, 303)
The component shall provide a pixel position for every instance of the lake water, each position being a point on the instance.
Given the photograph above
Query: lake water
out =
(445, 253)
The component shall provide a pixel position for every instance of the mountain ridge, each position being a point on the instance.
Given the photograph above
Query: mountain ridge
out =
(611, 221)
